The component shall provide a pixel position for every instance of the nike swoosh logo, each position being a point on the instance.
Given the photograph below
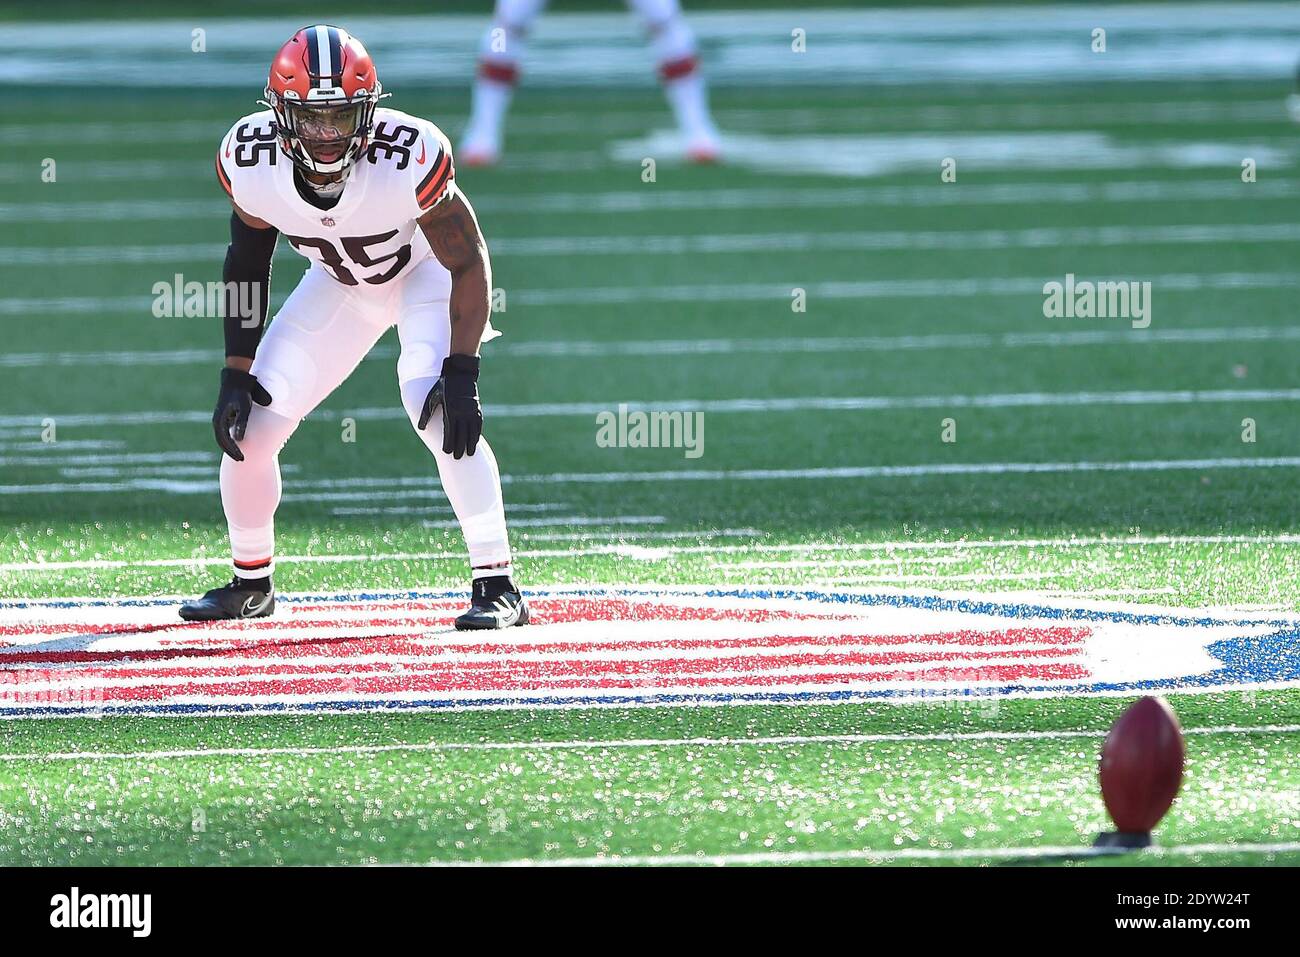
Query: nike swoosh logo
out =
(423, 157)
(250, 609)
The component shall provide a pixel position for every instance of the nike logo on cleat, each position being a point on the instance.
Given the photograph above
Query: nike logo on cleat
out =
(253, 606)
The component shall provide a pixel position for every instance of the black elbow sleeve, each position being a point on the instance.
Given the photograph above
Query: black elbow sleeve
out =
(247, 277)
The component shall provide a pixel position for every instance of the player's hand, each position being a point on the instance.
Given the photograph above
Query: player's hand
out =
(457, 392)
(239, 390)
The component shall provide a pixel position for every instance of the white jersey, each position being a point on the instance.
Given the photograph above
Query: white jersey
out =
(370, 237)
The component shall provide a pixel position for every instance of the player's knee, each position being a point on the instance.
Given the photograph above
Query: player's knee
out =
(414, 392)
(264, 437)
(673, 43)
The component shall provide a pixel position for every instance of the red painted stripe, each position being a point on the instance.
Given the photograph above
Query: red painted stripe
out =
(579, 667)
(380, 685)
(227, 642)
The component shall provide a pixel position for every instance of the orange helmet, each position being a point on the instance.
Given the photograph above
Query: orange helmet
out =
(323, 89)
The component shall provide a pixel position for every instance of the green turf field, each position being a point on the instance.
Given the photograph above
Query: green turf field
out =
(1092, 461)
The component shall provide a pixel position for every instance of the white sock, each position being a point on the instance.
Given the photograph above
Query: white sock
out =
(487, 115)
(492, 571)
(688, 97)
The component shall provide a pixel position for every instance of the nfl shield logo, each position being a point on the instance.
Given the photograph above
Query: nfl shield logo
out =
(327, 220)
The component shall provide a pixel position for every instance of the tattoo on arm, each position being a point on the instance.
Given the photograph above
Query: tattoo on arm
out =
(453, 234)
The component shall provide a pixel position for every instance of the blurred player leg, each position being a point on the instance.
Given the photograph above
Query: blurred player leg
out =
(498, 72)
(314, 343)
(676, 55)
(1293, 101)
(472, 482)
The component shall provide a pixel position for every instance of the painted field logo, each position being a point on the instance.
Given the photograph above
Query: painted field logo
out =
(619, 647)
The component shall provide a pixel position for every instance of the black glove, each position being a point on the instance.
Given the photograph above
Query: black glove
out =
(239, 390)
(457, 392)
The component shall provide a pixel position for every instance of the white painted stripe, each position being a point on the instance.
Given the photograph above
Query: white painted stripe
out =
(612, 744)
(181, 487)
(778, 345)
(842, 562)
(947, 577)
(1167, 283)
(56, 449)
(893, 854)
(565, 521)
(638, 535)
(1134, 541)
(623, 202)
(940, 116)
(54, 683)
(735, 243)
(434, 507)
(871, 403)
(904, 471)
(55, 457)
(965, 47)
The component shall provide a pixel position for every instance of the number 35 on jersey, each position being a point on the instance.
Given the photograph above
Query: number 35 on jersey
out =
(370, 237)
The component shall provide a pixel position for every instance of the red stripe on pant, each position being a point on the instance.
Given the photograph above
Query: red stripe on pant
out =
(676, 69)
(498, 72)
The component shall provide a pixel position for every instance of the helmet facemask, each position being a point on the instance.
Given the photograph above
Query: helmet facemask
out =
(325, 134)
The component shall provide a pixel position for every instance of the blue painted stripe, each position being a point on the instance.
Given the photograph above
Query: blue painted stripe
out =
(1019, 610)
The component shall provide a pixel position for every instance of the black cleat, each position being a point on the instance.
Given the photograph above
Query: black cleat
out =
(236, 600)
(496, 603)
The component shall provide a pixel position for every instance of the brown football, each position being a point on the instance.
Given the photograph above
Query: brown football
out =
(1142, 765)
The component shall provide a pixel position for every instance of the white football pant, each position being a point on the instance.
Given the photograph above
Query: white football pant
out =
(672, 42)
(317, 338)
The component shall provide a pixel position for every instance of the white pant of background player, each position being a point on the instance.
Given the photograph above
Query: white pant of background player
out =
(672, 43)
(317, 338)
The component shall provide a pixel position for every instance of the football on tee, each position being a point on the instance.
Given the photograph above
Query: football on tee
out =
(1142, 765)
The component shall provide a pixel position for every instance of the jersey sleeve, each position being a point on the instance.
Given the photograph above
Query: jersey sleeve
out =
(435, 176)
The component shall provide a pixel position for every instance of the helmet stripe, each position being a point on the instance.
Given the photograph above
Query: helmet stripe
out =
(323, 52)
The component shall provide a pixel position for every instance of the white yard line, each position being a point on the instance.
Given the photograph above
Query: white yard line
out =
(966, 47)
(945, 117)
(905, 471)
(780, 345)
(812, 548)
(596, 745)
(425, 510)
(733, 243)
(844, 562)
(942, 577)
(565, 521)
(622, 202)
(1166, 283)
(897, 854)
(55, 457)
(188, 487)
(638, 535)
(201, 487)
(863, 403)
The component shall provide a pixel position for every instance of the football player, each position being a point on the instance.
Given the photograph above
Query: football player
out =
(368, 195)
(673, 43)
